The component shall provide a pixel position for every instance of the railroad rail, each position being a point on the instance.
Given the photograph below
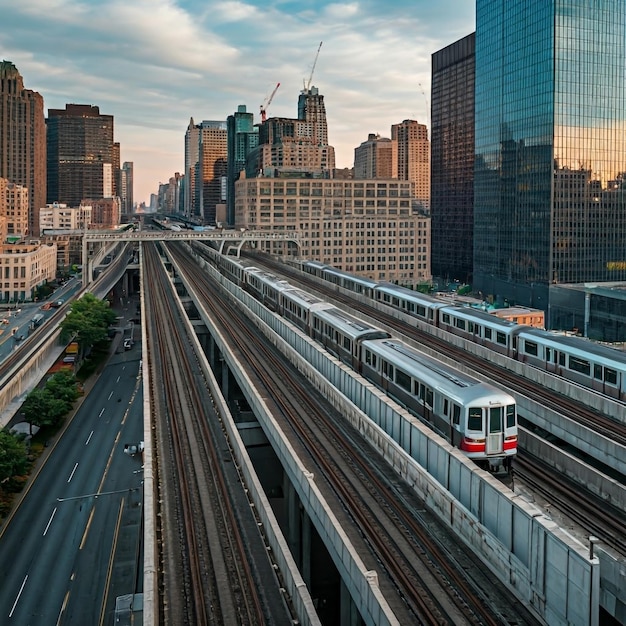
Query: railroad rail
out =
(432, 587)
(205, 569)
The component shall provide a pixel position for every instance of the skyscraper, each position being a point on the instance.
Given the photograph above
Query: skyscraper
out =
(452, 160)
(243, 137)
(192, 151)
(211, 169)
(80, 154)
(413, 157)
(23, 140)
(549, 188)
(125, 188)
(374, 158)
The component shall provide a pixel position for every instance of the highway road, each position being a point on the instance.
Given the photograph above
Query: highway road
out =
(74, 543)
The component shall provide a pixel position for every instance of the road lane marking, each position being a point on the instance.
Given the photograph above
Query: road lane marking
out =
(118, 379)
(18, 595)
(49, 521)
(87, 527)
(63, 607)
(110, 396)
(89, 438)
(101, 412)
(72, 474)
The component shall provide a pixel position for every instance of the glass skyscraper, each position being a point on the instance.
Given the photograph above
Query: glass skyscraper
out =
(550, 162)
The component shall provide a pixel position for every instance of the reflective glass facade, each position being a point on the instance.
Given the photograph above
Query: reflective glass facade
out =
(549, 188)
(452, 161)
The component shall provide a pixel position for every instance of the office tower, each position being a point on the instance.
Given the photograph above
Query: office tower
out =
(125, 188)
(375, 158)
(15, 210)
(211, 170)
(413, 157)
(549, 202)
(295, 147)
(243, 137)
(115, 167)
(452, 160)
(80, 154)
(192, 152)
(23, 140)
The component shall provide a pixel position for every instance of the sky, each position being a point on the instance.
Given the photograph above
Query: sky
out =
(154, 64)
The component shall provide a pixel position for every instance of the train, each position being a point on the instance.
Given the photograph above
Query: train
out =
(476, 417)
(592, 365)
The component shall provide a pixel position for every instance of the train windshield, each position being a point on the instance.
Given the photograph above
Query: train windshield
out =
(510, 416)
(475, 419)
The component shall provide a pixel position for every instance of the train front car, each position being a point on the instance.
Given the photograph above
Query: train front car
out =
(475, 417)
(488, 427)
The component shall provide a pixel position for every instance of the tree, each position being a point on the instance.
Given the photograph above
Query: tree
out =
(12, 456)
(88, 321)
(36, 408)
(63, 386)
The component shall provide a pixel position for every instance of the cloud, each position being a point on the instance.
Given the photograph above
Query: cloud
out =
(153, 64)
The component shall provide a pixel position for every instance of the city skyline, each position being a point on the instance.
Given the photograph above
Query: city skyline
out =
(154, 64)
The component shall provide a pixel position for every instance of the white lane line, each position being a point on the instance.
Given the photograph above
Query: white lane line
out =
(118, 379)
(101, 412)
(72, 474)
(89, 438)
(110, 396)
(18, 596)
(49, 521)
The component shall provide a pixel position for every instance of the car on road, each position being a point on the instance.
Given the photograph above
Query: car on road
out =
(128, 343)
(56, 304)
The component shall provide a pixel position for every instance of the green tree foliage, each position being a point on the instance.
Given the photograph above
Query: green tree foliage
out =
(36, 408)
(88, 321)
(63, 386)
(12, 456)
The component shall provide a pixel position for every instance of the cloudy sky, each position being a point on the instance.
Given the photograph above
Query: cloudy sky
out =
(153, 64)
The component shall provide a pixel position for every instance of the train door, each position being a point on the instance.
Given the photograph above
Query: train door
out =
(495, 434)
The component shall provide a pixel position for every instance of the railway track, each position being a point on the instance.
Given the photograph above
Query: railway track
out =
(565, 495)
(206, 577)
(432, 586)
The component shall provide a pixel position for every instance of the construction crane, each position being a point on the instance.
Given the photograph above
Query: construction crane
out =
(267, 102)
(307, 86)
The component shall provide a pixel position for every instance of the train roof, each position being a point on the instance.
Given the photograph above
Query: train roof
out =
(472, 314)
(437, 375)
(410, 295)
(578, 346)
(349, 325)
(361, 280)
(304, 298)
(315, 264)
(269, 279)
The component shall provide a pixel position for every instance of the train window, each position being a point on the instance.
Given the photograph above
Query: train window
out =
(548, 355)
(610, 376)
(530, 347)
(597, 371)
(487, 333)
(456, 414)
(403, 380)
(445, 406)
(510, 416)
(429, 398)
(579, 365)
(460, 324)
(562, 359)
(422, 392)
(368, 357)
(346, 343)
(501, 338)
(410, 307)
(475, 419)
(470, 327)
(388, 370)
(495, 419)
(421, 311)
(445, 318)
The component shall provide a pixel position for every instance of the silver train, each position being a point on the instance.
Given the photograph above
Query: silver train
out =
(476, 417)
(592, 365)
